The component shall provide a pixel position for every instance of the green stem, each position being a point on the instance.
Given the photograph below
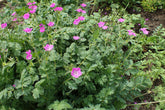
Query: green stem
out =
(147, 103)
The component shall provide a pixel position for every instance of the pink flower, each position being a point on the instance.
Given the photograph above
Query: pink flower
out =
(52, 5)
(146, 19)
(48, 47)
(121, 20)
(41, 25)
(83, 11)
(32, 11)
(79, 10)
(28, 30)
(13, 85)
(76, 72)
(0, 56)
(101, 24)
(15, 19)
(144, 30)
(76, 21)
(34, 2)
(26, 16)
(58, 9)
(13, 14)
(34, 7)
(76, 37)
(83, 5)
(28, 52)
(51, 24)
(130, 32)
(3, 25)
(29, 56)
(29, 3)
(105, 27)
(42, 29)
(81, 18)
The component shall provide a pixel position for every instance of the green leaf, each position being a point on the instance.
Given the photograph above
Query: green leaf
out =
(59, 105)
(37, 92)
(93, 67)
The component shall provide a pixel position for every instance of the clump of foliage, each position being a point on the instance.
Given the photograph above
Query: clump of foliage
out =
(152, 5)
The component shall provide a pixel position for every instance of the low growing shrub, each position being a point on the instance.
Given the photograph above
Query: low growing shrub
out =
(54, 60)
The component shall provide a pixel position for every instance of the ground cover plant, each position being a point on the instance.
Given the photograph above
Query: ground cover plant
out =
(56, 57)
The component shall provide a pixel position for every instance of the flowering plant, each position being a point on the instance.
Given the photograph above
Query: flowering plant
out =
(70, 62)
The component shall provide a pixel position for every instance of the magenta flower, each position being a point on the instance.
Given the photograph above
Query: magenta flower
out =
(58, 9)
(79, 10)
(76, 21)
(101, 24)
(13, 85)
(28, 52)
(34, 7)
(81, 18)
(26, 16)
(32, 11)
(28, 30)
(29, 56)
(41, 25)
(0, 56)
(51, 24)
(144, 30)
(48, 47)
(105, 27)
(76, 37)
(34, 2)
(3, 25)
(13, 13)
(121, 20)
(130, 32)
(29, 3)
(83, 5)
(76, 72)
(15, 19)
(83, 11)
(52, 5)
(42, 29)
(146, 19)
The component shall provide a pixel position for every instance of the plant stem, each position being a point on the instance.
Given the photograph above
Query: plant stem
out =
(147, 103)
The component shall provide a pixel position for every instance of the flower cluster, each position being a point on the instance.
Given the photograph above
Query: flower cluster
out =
(28, 55)
(101, 25)
(32, 7)
(130, 32)
(77, 21)
(144, 30)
